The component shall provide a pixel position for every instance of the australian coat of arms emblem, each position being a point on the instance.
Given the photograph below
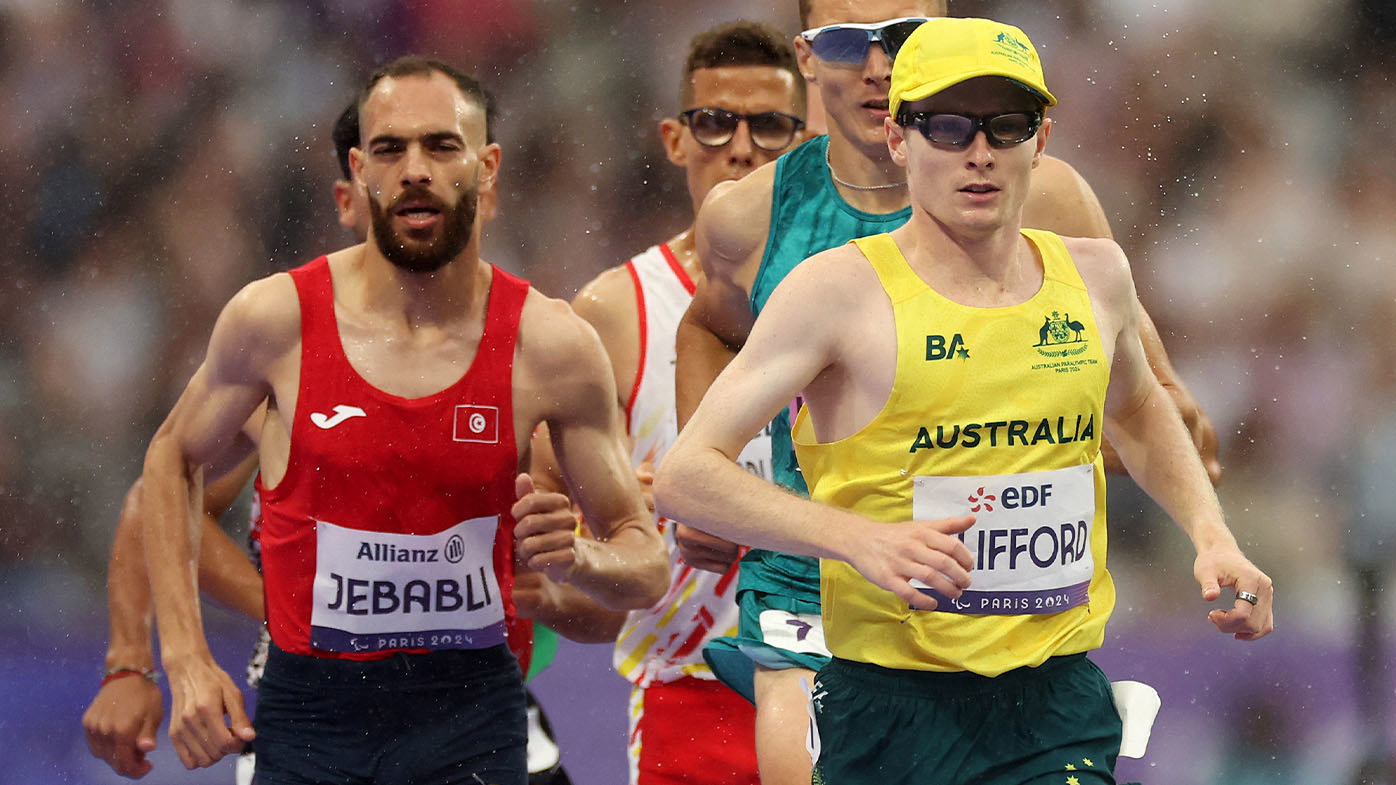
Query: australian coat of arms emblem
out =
(1060, 336)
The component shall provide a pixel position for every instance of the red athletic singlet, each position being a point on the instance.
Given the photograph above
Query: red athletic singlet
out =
(391, 529)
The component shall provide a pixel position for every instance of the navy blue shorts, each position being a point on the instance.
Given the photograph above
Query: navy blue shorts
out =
(427, 719)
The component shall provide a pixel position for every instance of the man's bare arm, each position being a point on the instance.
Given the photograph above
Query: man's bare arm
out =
(730, 237)
(791, 345)
(565, 609)
(225, 572)
(125, 714)
(609, 304)
(1062, 201)
(1199, 425)
(258, 328)
(564, 369)
(1148, 432)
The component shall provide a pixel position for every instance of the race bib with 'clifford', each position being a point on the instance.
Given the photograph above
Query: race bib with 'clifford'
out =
(1031, 539)
(376, 590)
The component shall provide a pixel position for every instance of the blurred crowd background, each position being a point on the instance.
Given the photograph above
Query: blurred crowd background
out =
(158, 154)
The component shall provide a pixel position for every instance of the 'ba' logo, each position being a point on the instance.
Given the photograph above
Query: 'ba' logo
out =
(938, 348)
(455, 549)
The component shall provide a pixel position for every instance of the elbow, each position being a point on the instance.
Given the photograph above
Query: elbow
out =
(651, 576)
(128, 522)
(628, 573)
(656, 583)
(668, 484)
(162, 457)
(600, 628)
(609, 629)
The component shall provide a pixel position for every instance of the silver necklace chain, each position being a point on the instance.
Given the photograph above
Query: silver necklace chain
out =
(829, 164)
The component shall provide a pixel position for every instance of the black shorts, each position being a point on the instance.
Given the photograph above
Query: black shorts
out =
(427, 719)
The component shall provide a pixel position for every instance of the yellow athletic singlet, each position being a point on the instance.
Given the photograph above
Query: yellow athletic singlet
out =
(994, 411)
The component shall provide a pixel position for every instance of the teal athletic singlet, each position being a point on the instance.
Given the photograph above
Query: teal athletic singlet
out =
(807, 216)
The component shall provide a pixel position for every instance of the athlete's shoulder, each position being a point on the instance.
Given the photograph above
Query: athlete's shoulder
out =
(267, 306)
(610, 304)
(734, 219)
(1096, 250)
(1061, 201)
(840, 275)
(560, 358)
(729, 198)
(1102, 264)
(259, 325)
(552, 337)
(611, 293)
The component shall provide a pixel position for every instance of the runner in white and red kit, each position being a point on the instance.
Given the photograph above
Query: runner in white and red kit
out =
(742, 101)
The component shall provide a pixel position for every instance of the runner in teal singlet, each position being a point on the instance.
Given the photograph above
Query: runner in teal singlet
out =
(815, 218)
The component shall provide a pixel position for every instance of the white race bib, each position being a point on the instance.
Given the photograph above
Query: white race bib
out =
(1031, 540)
(802, 633)
(376, 590)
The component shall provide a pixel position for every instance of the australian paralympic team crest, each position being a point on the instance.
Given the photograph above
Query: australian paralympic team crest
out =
(1062, 338)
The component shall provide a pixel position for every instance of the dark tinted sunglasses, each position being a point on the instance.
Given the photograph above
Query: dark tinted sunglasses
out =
(713, 127)
(849, 43)
(958, 130)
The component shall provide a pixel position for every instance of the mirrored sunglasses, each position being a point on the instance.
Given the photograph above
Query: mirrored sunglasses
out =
(849, 43)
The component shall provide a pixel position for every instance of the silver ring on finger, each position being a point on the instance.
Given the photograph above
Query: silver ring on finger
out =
(1248, 597)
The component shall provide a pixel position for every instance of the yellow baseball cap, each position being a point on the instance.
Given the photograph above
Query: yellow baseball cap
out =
(948, 50)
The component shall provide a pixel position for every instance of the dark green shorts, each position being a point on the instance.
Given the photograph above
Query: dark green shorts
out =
(1055, 724)
(775, 631)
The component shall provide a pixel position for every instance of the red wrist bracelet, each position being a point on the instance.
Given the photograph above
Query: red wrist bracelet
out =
(112, 674)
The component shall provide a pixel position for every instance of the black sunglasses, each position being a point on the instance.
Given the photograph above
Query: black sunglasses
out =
(958, 130)
(849, 43)
(714, 127)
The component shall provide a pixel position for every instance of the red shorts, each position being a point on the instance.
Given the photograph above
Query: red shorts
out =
(691, 732)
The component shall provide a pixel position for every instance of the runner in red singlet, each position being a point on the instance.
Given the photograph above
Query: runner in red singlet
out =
(402, 378)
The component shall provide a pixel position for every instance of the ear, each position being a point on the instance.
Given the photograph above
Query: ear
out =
(344, 202)
(356, 165)
(671, 135)
(488, 206)
(1041, 141)
(804, 57)
(490, 156)
(896, 141)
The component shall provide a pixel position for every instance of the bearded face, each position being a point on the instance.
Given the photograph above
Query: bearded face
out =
(419, 232)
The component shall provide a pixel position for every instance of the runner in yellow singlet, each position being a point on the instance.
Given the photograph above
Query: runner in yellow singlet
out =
(958, 376)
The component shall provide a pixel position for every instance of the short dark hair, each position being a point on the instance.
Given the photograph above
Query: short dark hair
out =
(737, 44)
(807, 7)
(346, 137)
(416, 65)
